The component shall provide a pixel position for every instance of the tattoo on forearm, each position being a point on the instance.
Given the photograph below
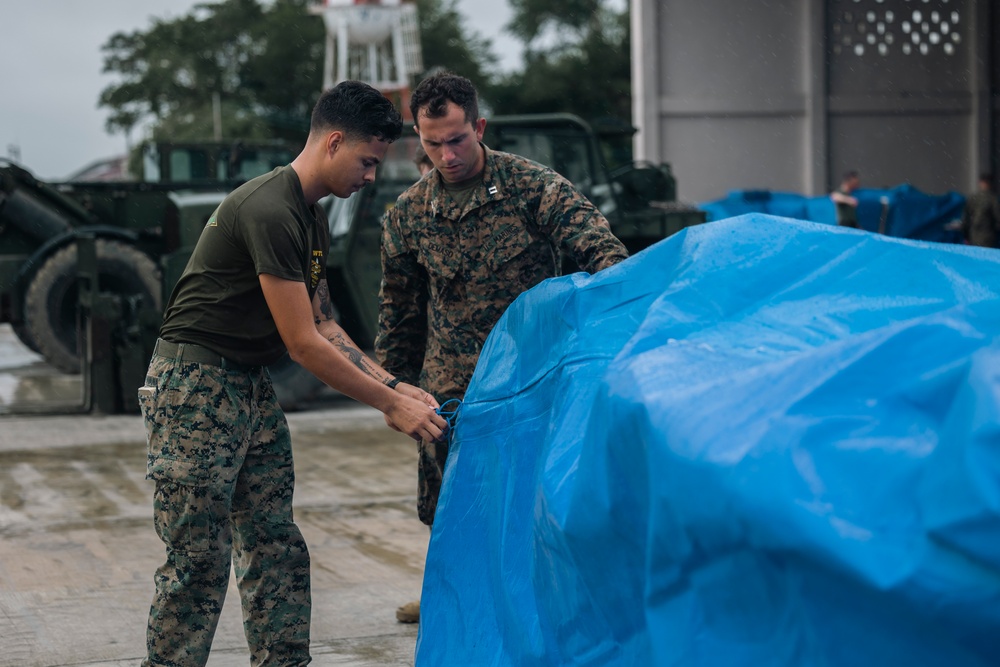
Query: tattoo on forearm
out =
(325, 304)
(356, 357)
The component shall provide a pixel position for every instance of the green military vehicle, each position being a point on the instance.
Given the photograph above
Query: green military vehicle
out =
(145, 232)
(639, 200)
(135, 224)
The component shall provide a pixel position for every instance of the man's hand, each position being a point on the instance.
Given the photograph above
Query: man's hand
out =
(415, 417)
(388, 422)
(413, 392)
(417, 393)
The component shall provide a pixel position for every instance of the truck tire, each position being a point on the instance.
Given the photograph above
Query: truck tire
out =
(51, 300)
(23, 335)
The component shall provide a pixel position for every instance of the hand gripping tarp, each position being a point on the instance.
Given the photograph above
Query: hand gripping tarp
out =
(758, 442)
(902, 211)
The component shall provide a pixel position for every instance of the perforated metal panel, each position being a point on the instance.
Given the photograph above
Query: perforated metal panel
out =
(900, 91)
(898, 30)
(788, 94)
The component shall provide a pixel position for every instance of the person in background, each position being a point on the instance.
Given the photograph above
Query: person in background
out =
(981, 216)
(219, 448)
(459, 246)
(847, 203)
(423, 162)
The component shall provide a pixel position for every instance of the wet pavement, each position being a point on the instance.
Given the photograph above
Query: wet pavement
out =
(78, 551)
(27, 383)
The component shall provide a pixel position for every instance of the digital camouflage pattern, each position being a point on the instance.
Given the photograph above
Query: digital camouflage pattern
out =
(219, 451)
(448, 274)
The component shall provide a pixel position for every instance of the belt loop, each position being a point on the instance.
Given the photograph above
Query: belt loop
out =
(179, 355)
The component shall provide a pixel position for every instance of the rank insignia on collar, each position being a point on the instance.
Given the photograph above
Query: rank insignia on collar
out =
(493, 189)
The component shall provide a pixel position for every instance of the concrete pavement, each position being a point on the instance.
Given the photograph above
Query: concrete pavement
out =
(78, 551)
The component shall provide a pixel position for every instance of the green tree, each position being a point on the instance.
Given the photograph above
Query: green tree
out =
(446, 43)
(262, 62)
(532, 17)
(576, 59)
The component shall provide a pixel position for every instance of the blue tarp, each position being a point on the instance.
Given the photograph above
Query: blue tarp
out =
(909, 213)
(759, 442)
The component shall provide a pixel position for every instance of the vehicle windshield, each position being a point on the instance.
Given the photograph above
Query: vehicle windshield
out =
(209, 162)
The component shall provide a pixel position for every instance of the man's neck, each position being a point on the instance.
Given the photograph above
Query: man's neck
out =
(312, 188)
(466, 183)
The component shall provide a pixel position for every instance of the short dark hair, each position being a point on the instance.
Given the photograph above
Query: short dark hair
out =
(433, 94)
(359, 111)
(853, 173)
(986, 177)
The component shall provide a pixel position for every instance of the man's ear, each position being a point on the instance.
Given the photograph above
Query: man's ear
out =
(333, 141)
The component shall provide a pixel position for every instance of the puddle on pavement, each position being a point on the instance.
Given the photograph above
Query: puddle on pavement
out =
(40, 389)
(366, 652)
(28, 384)
(66, 489)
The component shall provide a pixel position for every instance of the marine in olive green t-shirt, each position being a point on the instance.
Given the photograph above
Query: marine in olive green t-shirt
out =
(264, 226)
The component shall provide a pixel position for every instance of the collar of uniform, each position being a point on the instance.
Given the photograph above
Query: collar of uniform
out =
(494, 185)
(492, 188)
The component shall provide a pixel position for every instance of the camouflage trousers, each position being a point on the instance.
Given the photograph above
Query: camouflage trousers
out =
(220, 456)
(431, 457)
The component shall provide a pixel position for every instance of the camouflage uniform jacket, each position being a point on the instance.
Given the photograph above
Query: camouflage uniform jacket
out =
(449, 274)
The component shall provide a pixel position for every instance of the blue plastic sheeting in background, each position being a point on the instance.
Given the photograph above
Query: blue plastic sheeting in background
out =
(910, 213)
(759, 442)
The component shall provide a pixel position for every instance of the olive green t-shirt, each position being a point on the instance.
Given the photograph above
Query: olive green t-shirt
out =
(462, 191)
(847, 215)
(264, 226)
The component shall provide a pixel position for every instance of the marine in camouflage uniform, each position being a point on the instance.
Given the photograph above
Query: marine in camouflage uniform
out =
(450, 271)
(220, 452)
(219, 448)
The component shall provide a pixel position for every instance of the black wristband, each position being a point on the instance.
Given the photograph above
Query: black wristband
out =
(391, 384)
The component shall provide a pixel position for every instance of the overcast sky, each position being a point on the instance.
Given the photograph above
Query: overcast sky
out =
(51, 77)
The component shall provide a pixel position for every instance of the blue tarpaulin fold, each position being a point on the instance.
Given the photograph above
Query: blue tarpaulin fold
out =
(759, 442)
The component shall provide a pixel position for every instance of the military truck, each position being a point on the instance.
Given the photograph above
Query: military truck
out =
(639, 200)
(134, 222)
(145, 231)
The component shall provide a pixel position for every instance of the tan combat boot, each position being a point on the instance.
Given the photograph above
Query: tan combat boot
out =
(409, 612)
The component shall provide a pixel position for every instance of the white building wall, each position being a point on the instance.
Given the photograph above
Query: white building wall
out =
(788, 94)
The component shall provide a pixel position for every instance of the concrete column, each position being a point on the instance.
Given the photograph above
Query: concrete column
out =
(983, 52)
(816, 157)
(644, 19)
